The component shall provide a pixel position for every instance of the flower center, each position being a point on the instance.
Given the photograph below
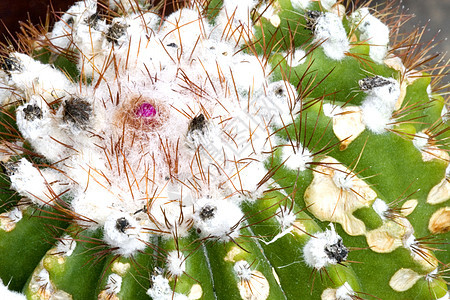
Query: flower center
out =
(145, 110)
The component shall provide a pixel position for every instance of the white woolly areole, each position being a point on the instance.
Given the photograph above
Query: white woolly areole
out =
(33, 183)
(331, 110)
(15, 215)
(297, 159)
(242, 270)
(296, 58)
(114, 284)
(432, 275)
(374, 31)
(34, 79)
(300, 4)
(65, 246)
(10, 295)
(378, 106)
(408, 241)
(217, 218)
(314, 252)
(343, 180)
(380, 207)
(345, 292)
(160, 290)
(61, 33)
(420, 140)
(285, 216)
(329, 31)
(176, 263)
(123, 232)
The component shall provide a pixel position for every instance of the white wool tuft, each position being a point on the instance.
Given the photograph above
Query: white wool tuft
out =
(127, 239)
(296, 58)
(217, 218)
(378, 106)
(243, 270)
(374, 31)
(420, 140)
(160, 290)
(10, 295)
(39, 185)
(297, 159)
(113, 284)
(66, 246)
(286, 217)
(345, 292)
(176, 263)
(380, 207)
(330, 32)
(343, 180)
(314, 252)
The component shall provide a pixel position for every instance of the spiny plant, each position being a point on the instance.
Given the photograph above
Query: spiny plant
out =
(224, 150)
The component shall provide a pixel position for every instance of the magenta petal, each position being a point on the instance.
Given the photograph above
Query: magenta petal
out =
(146, 110)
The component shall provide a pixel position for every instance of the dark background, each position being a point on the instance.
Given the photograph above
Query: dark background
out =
(433, 13)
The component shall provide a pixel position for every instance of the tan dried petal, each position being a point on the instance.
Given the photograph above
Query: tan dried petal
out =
(426, 259)
(388, 236)
(328, 294)
(439, 193)
(196, 292)
(257, 288)
(104, 295)
(408, 207)
(348, 125)
(401, 97)
(440, 221)
(120, 268)
(403, 280)
(433, 152)
(327, 202)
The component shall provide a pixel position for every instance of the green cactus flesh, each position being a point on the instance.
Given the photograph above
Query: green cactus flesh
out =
(253, 150)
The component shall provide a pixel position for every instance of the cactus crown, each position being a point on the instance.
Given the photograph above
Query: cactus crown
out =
(252, 150)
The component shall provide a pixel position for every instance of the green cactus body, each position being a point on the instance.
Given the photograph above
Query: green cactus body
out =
(252, 150)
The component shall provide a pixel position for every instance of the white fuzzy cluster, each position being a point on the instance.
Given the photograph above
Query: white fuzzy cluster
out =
(66, 246)
(380, 207)
(113, 284)
(176, 263)
(314, 252)
(329, 31)
(124, 234)
(296, 159)
(160, 290)
(379, 104)
(217, 218)
(32, 78)
(285, 216)
(374, 31)
(15, 215)
(343, 180)
(10, 295)
(40, 186)
(243, 270)
(420, 140)
(127, 141)
(345, 292)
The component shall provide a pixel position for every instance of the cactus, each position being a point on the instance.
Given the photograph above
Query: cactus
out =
(224, 150)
